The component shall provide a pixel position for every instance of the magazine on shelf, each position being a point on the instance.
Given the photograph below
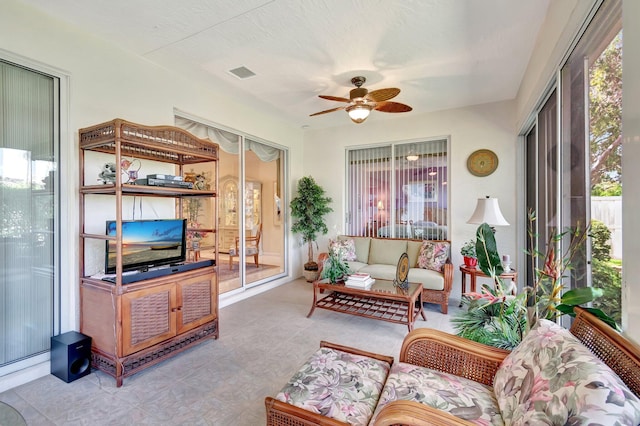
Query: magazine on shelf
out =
(359, 276)
(360, 284)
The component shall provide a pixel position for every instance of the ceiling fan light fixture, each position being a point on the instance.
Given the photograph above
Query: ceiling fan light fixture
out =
(358, 113)
(412, 157)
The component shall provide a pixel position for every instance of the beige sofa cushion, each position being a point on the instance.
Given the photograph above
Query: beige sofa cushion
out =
(379, 271)
(431, 280)
(355, 266)
(386, 252)
(362, 247)
(413, 251)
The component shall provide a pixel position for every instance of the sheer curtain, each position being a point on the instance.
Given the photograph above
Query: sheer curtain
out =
(229, 142)
(28, 191)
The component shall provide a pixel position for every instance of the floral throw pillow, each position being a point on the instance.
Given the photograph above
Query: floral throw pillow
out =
(433, 255)
(551, 378)
(343, 249)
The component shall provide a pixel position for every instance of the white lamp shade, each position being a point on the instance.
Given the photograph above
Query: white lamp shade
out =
(487, 211)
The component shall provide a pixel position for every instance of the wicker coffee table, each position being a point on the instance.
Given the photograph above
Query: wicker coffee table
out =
(383, 301)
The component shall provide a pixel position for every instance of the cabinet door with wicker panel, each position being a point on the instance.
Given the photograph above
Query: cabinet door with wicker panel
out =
(196, 301)
(148, 317)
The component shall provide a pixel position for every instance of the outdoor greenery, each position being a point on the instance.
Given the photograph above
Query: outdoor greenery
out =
(605, 112)
(308, 209)
(605, 132)
(605, 273)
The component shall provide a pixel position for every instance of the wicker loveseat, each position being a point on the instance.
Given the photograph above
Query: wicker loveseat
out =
(590, 375)
(378, 257)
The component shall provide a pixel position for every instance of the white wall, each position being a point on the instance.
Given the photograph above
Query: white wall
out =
(488, 126)
(106, 82)
(560, 26)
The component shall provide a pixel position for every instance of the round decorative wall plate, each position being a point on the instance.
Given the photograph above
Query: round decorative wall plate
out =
(482, 162)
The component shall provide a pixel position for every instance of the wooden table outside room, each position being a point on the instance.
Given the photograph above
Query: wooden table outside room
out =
(475, 272)
(383, 301)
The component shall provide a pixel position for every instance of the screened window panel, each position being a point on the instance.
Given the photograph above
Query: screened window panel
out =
(369, 183)
(403, 198)
(28, 179)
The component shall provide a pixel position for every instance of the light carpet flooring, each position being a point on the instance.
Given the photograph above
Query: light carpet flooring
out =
(263, 341)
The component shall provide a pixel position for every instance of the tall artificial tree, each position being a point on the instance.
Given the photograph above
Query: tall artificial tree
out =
(308, 209)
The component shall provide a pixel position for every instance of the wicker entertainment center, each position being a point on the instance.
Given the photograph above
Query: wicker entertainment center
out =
(136, 325)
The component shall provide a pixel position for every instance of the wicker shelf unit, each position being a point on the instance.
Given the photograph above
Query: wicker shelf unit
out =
(136, 325)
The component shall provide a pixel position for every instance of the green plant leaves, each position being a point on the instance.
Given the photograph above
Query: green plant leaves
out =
(487, 252)
(334, 269)
(578, 296)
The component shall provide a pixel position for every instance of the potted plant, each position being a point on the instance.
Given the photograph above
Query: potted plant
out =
(308, 209)
(468, 252)
(499, 319)
(334, 268)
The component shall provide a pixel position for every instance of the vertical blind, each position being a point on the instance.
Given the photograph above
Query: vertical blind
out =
(28, 182)
(398, 190)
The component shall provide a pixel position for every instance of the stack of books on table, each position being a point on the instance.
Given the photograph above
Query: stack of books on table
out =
(360, 280)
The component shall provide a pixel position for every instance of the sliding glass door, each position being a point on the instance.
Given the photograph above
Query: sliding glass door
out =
(29, 188)
(573, 159)
(251, 217)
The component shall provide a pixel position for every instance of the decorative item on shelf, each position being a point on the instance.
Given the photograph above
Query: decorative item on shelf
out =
(468, 252)
(194, 237)
(402, 271)
(195, 249)
(130, 169)
(506, 262)
(108, 173)
(190, 177)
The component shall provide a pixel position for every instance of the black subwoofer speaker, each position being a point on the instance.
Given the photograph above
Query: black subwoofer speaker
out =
(70, 356)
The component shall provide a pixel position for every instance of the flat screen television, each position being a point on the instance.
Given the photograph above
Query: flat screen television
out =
(147, 244)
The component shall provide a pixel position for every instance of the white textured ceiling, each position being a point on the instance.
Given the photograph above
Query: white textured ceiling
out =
(441, 53)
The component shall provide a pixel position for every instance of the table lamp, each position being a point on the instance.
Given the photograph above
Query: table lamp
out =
(487, 211)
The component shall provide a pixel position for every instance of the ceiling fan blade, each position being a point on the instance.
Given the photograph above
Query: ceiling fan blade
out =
(329, 110)
(383, 94)
(334, 98)
(392, 107)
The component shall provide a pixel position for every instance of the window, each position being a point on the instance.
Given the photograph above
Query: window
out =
(398, 190)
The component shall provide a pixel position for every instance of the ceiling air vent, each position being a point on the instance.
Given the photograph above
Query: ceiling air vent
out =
(242, 72)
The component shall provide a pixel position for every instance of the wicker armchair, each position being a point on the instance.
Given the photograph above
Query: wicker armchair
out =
(451, 354)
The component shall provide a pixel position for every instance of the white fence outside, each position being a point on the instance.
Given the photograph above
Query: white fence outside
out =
(609, 211)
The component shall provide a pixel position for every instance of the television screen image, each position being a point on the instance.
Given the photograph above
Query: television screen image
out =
(147, 243)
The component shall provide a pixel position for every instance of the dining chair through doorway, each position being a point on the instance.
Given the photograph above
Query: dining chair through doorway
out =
(252, 247)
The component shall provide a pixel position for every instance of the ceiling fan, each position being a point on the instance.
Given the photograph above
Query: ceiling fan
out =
(361, 101)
